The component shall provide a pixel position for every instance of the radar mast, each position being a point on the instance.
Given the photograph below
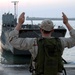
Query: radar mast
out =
(15, 8)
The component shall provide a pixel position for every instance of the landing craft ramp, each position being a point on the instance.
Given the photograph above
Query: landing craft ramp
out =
(35, 33)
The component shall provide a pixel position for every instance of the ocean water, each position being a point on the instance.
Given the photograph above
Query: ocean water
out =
(69, 55)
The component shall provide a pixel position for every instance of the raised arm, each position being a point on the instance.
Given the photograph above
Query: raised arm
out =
(20, 21)
(65, 21)
(68, 41)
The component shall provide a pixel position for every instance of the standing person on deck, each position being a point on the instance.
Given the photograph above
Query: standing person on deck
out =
(46, 29)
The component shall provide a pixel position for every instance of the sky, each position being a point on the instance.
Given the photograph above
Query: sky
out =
(39, 8)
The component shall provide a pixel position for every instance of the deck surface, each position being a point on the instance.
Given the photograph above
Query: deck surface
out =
(23, 69)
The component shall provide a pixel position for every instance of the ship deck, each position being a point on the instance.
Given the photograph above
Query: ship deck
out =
(23, 69)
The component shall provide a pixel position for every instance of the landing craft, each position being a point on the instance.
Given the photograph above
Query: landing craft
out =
(11, 55)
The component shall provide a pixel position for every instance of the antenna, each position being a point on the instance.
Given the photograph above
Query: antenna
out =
(15, 3)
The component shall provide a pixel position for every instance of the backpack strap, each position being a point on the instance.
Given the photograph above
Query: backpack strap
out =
(31, 68)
